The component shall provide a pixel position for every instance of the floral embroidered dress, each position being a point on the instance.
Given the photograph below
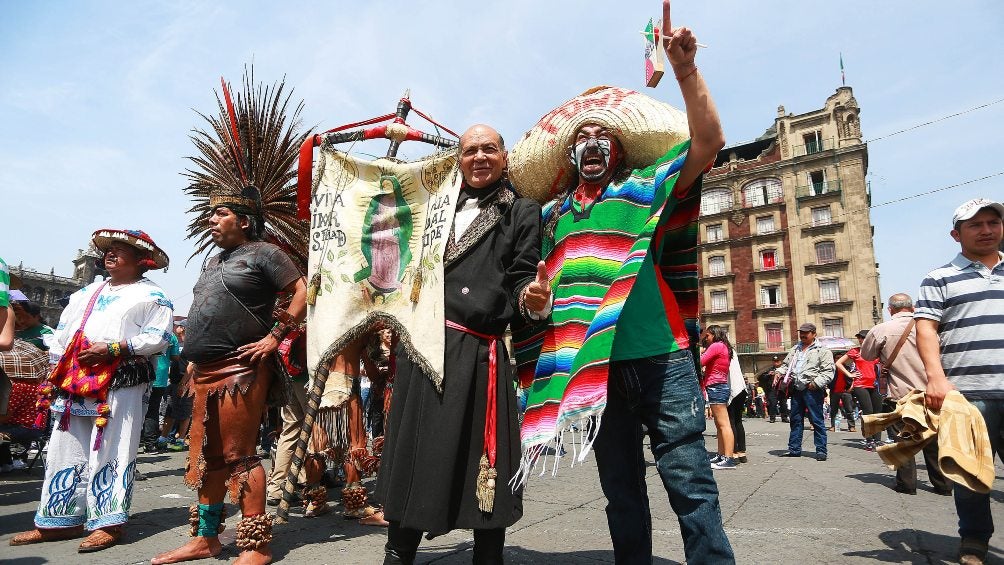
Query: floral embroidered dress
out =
(94, 486)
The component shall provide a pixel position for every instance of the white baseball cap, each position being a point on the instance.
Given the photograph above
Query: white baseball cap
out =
(969, 209)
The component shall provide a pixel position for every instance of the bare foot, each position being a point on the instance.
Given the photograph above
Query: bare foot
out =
(198, 548)
(375, 519)
(259, 556)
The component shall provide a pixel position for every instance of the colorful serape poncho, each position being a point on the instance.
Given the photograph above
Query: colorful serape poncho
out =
(593, 262)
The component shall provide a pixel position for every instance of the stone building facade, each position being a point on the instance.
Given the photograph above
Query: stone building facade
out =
(786, 236)
(48, 289)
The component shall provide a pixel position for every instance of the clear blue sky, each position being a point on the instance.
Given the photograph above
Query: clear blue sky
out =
(97, 98)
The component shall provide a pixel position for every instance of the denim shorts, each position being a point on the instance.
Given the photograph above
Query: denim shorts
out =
(718, 393)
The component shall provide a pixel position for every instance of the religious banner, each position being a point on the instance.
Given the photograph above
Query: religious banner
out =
(377, 234)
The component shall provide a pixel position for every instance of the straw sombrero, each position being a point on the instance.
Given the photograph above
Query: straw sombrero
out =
(647, 129)
(137, 238)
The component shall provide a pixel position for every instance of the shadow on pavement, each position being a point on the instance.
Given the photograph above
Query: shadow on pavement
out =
(301, 531)
(915, 546)
(20, 490)
(17, 523)
(520, 556)
(164, 473)
(153, 522)
(25, 561)
(874, 478)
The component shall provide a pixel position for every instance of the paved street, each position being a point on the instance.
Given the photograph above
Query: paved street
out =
(775, 509)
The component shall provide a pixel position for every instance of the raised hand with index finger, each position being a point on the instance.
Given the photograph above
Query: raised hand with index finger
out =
(680, 43)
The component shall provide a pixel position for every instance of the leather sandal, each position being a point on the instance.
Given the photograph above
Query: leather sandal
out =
(375, 519)
(39, 535)
(102, 538)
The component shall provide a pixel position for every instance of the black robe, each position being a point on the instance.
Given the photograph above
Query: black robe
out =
(434, 439)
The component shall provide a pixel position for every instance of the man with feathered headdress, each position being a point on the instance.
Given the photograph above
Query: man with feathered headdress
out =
(245, 199)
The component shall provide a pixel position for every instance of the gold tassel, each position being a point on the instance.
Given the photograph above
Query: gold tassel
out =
(313, 289)
(416, 285)
(486, 485)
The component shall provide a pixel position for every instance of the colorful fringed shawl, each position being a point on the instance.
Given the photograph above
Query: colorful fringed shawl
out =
(593, 261)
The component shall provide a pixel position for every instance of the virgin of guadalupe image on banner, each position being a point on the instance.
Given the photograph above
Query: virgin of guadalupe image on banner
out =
(377, 234)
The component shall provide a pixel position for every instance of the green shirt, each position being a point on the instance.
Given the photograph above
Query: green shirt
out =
(34, 335)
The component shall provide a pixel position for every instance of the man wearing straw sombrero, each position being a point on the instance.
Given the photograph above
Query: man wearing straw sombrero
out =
(97, 392)
(623, 181)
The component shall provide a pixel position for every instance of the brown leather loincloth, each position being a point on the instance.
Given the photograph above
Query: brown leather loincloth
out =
(224, 430)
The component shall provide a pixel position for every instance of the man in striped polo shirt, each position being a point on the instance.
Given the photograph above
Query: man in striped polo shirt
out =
(960, 337)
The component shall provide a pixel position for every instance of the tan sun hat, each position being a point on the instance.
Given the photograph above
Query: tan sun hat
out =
(647, 129)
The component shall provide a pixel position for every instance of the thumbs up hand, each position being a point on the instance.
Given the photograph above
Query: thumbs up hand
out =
(538, 293)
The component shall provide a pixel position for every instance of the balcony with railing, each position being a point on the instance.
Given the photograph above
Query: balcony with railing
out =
(771, 234)
(822, 226)
(827, 265)
(831, 304)
(815, 146)
(772, 307)
(717, 276)
(718, 313)
(768, 271)
(818, 189)
(757, 200)
(768, 347)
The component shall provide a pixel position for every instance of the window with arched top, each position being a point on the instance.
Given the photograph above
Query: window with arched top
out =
(716, 200)
(768, 259)
(716, 266)
(762, 191)
(38, 296)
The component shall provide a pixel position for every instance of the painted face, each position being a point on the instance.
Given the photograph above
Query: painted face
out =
(482, 158)
(980, 235)
(594, 153)
(227, 228)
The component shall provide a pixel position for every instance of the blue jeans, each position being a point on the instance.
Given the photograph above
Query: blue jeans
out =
(973, 508)
(800, 401)
(662, 394)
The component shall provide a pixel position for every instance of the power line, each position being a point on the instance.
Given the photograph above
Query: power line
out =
(845, 212)
(918, 195)
(980, 107)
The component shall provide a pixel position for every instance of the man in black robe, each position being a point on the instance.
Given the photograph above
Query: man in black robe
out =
(433, 473)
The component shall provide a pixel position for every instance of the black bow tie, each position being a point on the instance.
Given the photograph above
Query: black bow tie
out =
(479, 195)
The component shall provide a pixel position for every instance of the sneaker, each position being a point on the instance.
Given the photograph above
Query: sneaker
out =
(18, 465)
(176, 445)
(790, 454)
(723, 464)
(715, 457)
(820, 457)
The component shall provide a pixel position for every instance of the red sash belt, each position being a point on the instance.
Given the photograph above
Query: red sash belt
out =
(492, 379)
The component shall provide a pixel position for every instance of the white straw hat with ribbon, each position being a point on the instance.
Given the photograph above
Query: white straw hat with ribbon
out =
(647, 129)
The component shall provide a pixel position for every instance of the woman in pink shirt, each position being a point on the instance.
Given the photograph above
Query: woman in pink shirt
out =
(716, 359)
(864, 386)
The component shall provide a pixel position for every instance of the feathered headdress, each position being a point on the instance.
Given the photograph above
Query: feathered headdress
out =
(247, 162)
